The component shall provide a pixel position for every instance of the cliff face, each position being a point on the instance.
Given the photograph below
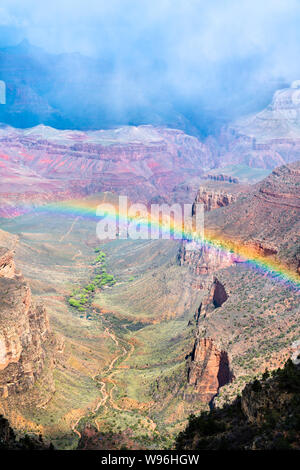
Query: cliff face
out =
(25, 336)
(217, 295)
(7, 265)
(213, 199)
(209, 369)
(208, 365)
(204, 260)
(266, 221)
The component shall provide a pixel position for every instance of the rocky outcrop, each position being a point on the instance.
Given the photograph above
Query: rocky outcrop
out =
(265, 222)
(208, 365)
(7, 265)
(204, 260)
(26, 341)
(213, 199)
(216, 297)
(209, 369)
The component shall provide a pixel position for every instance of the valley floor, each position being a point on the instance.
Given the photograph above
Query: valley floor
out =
(115, 378)
(121, 377)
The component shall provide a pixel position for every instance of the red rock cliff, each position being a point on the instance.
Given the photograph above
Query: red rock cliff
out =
(25, 336)
(209, 369)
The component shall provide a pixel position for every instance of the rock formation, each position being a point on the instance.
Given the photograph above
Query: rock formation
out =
(208, 365)
(216, 297)
(209, 369)
(213, 199)
(26, 341)
(267, 221)
(267, 139)
(204, 260)
(7, 264)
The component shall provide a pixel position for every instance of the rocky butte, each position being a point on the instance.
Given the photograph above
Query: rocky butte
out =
(220, 321)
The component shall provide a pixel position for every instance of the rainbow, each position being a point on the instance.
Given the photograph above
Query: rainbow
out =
(249, 255)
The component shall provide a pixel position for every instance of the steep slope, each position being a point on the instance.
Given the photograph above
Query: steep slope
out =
(27, 345)
(267, 221)
(9, 441)
(247, 320)
(265, 417)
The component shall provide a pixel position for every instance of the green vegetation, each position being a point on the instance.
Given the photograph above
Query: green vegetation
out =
(81, 298)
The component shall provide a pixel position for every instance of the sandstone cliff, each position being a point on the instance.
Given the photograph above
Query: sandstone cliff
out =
(208, 364)
(267, 139)
(217, 295)
(204, 260)
(213, 199)
(7, 265)
(232, 337)
(43, 164)
(26, 341)
(209, 369)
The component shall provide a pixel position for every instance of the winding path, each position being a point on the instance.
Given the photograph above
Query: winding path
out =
(105, 394)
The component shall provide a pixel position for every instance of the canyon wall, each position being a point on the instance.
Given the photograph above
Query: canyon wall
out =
(42, 164)
(7, 264)
(26, 341)
(204, 260)
(209, 369)
(213, 199)
(217, 295)
(208, 364)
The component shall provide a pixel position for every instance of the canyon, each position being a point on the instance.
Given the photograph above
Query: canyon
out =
(185, 326)
(180, 329)
(43, 164)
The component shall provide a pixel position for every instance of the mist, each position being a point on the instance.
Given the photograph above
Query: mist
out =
(191, 64)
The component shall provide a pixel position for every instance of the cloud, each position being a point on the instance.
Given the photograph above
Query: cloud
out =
(216, 54)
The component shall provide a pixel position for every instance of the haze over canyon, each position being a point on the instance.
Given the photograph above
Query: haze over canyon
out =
(158, 342)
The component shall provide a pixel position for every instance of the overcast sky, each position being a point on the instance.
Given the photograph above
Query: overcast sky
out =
(207, 50)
